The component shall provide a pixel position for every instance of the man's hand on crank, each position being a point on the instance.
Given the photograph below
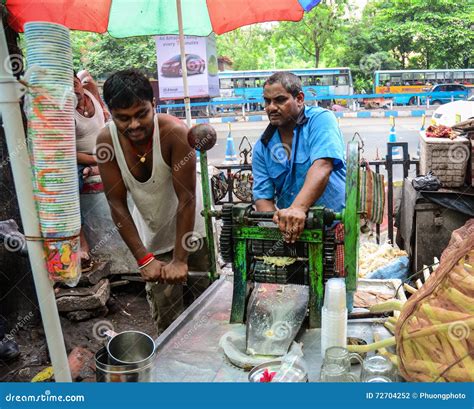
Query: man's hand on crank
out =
(290, 222)
(152, 272)
(175, 272)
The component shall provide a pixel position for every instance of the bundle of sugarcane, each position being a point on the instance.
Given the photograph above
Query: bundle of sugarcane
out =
(434, 333)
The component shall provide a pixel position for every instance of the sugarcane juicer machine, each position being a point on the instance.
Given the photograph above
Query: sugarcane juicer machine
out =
(245, 242)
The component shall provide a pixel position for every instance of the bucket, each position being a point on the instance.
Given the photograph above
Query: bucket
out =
(106, 372)
(128, 357)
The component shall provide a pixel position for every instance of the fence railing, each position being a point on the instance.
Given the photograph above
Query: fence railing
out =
(234, 183)
(212, 107)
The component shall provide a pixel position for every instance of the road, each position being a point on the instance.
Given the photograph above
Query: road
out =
(374, 132)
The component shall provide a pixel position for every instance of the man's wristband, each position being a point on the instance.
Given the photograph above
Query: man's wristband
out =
(145, 260)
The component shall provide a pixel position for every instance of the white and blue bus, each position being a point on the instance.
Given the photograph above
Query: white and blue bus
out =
(317, 82)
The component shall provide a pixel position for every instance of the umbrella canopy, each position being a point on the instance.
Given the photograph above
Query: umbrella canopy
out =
(126, 18)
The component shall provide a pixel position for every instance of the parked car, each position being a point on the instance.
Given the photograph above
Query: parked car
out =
(444, 93)
(446, 114)
(172, 67)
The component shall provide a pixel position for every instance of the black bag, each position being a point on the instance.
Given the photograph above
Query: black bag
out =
(427, 182)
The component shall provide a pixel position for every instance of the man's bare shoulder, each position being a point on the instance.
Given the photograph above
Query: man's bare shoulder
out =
(172, 126)
(104, 136)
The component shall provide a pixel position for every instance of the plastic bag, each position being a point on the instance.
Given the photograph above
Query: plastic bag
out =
(427, 182)
(292, 364)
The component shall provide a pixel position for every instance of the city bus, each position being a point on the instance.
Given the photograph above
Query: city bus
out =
(408, 82)
(316, 82)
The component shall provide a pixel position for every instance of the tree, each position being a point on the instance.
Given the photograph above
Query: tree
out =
(102, 54)
(314, 32)
(426, 33)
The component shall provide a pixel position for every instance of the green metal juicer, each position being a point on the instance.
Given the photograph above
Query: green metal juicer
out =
(246, 243)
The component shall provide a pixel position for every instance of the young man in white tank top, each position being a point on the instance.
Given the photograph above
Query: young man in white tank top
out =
(148, 157)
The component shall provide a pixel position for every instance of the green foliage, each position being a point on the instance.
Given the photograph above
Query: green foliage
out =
(102, 54)
(390, 34)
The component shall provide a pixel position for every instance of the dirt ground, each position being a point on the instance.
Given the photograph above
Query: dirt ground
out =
(127, 309)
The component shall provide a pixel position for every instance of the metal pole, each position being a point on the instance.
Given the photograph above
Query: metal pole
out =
(203, 157)
(22, 175)
(184, 68)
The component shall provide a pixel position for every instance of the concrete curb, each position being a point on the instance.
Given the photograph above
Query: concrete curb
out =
(360, 114)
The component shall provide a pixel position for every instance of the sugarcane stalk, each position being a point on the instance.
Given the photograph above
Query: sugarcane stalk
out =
(442, 314)
(460, 300)
(425, 357)
(458, 374)
(392, 320)
(437, 328)
(389, 326)
(360, 349)
(388, 306)
(384, 352)
(426, 272)
(408, 288)
(407, 348)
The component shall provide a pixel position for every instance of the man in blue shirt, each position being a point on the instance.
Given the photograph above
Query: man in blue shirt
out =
(299, 161)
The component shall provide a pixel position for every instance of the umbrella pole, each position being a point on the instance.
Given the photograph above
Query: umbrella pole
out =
(184, 68)
(203, 154)
(22, 175)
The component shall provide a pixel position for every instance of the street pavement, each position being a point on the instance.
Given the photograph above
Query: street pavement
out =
(374, 132)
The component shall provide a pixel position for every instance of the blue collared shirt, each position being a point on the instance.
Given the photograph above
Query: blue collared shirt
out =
(316, 136)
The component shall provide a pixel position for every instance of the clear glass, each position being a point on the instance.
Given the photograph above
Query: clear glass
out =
(377, 366)
(340, 356)
(336, 373)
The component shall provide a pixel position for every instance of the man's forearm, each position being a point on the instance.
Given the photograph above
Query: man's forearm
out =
(265, 205)
(184, 224)
(128, 231)
(86, 159)
(314, 186)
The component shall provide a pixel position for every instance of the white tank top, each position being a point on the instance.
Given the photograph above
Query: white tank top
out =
(155, 200)
(87, 128)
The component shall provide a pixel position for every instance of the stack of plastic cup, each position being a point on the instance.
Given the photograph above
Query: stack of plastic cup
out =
(50, 108)
(334, 315)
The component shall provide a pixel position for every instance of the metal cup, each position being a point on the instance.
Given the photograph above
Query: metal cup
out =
(131, 347)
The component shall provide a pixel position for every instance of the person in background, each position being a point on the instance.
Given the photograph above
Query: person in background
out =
(90, 117)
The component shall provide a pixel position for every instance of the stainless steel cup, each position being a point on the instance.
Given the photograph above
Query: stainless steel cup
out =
(131, 347)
